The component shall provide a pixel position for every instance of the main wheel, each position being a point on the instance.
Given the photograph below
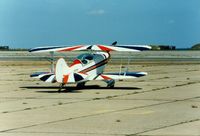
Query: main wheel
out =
(111, 83)
(60, 88)
(80, 85)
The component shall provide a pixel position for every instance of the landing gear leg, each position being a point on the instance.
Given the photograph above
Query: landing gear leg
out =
(60, 87)
(110, 83)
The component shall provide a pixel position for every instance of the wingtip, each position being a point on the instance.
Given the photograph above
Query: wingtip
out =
(144, 73)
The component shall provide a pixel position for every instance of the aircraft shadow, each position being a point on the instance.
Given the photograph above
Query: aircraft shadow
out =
(73, 89)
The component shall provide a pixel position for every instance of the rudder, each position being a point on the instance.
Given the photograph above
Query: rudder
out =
(61, 69)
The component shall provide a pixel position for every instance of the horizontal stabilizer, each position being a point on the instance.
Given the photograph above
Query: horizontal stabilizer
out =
(44, 76)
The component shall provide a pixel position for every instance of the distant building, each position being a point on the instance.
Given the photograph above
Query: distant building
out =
(163, 47)
(167, 47)
(4, 48)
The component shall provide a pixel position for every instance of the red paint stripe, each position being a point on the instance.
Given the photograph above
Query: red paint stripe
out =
(106, 77)
(76, 61)
(103, 48)
(95, 66)
(82, 73)
(65, 78)
(71, 48)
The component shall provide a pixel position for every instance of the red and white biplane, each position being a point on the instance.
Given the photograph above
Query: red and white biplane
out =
(87, 66)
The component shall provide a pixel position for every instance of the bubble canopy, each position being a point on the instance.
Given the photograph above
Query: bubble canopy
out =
(85, 58)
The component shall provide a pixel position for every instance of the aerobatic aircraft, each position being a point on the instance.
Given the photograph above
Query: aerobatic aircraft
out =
(87, 66)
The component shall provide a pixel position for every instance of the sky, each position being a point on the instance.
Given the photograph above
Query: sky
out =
(32, 23)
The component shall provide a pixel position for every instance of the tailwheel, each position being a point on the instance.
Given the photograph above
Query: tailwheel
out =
(60, 87)
(110, 83)
(80, 85)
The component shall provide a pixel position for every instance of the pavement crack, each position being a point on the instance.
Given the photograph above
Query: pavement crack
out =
(102, 98)
(77, 133)
(158, 128)
(92, 115)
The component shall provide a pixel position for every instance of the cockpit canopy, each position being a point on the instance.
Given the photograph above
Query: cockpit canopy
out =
(85, 58)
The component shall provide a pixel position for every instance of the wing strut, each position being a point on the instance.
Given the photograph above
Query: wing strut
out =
(52, 61)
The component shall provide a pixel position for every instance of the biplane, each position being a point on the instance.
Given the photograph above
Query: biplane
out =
(87, 66)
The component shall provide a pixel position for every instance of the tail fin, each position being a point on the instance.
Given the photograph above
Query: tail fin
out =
(61, 70)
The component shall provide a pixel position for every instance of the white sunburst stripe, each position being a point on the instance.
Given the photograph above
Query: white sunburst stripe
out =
(51, 79)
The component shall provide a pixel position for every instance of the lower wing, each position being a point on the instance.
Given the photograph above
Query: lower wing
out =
(50, 77)
(122, 75)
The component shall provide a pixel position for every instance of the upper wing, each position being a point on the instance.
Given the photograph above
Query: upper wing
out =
(122, 75)
(129, 48)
